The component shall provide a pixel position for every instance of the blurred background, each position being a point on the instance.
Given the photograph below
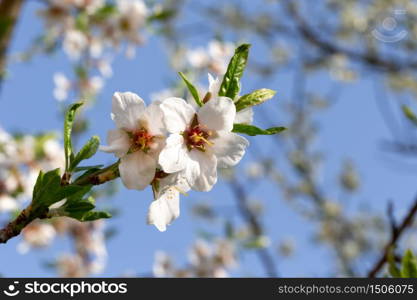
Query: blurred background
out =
(325, 198)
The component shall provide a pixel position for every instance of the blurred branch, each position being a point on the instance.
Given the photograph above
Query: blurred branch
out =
(256, 227)
(27, 215)
(9, 13)
(396, 233)
(371, 59)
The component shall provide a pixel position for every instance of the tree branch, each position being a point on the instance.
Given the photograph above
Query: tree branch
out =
(27, 215)
(9, 13)
(263, 254)
(371, 59)
(395, 236)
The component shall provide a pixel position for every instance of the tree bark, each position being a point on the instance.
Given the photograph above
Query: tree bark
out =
(9, 14)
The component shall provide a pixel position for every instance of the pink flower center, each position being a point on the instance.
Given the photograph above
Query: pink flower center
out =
(141, 140)
(197, 138)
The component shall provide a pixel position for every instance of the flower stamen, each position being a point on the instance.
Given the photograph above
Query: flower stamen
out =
(198, 138)
(141, 140)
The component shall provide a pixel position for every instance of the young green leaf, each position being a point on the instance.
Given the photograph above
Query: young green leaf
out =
(409, 114)
(69, 120)
(253, 130)
(230, 85)
(393, 270)
(95, 215)
(162, 15)
(87, 151)
(192, 89)
(255, 98)
(409, 265)
(81, 209)
(87, 168)
(48, 190)
(105, 12)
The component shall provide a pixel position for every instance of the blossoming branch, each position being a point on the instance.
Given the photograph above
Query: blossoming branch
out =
(171, 145)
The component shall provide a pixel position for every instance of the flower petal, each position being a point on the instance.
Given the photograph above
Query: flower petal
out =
(126, 109)
(214, 85)
(245, 116)
(218, 114)
(137, 170)
(175, 180)
(165, 209)
(178, 114)
(229, 148)
(118, 142)
(153, 119)
(174, 156)
(201, 170)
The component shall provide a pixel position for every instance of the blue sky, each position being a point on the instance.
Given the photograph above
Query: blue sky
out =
(352, 128)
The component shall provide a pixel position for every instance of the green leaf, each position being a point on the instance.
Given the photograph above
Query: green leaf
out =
(162, 15)
(393, 270)
(253, 130)
(48, 190)
(87, 168)
(81, 22)
(80, 205)
(87, 151)
(256, 242)
(192, 89)
(409, 114)
(82, 209)
(409, 265)
(105, 12)
(95, 215)
(47, 184)
(231, 81)
(69, 120)
(255, 98)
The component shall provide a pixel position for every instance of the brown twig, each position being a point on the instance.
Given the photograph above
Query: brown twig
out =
(244, 209)
(9, 13)
(27, 215)
(395, 236)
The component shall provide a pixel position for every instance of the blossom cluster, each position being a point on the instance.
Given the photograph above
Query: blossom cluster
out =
(21, 159)
(174, 146)
(205, 260)
(87, 31)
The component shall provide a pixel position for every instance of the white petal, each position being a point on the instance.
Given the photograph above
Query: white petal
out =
(137, 170)
(177, 180)
(126, 109)
(201, 170)
(218, 114)
(245, 116)
(165, 209)
(174, 156)
(153, 118)
(118, 142)
(178, 114)
(214, 85)
(229, 148)
(7, 204)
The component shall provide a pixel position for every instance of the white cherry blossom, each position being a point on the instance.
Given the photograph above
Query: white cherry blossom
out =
(166, 206)
(62, 86)
(138, 139)
(201, 141)
(75, 42)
